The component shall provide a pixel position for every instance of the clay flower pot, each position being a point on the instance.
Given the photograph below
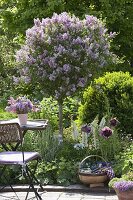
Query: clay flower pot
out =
(124, 190)
(124, 195)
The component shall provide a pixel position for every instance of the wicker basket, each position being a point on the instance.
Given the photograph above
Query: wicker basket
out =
(91, 178)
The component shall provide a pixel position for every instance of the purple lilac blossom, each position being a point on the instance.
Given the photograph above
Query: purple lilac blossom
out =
(106, 132)
(58, 51)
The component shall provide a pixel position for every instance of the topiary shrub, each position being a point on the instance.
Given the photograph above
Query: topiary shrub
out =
(113, 90)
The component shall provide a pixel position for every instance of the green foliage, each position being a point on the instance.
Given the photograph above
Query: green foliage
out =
(45, 142)
(124, 161)
(115, 90)
(6, 115)
(49, 110)
(61, 172)
(67, 172)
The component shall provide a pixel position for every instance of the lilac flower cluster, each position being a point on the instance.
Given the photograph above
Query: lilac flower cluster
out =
(21, 105)
(123, 185)
(62, 53)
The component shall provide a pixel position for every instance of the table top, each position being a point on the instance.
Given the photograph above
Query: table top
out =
(35, 124)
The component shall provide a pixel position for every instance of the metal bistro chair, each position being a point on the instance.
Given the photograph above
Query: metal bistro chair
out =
(10, 133)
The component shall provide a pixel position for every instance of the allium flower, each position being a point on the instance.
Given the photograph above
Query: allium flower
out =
(123, 185)
(114, 122)
(85, 128)
(106, 132)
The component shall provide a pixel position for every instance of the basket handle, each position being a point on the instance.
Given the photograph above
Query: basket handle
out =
(90, 157)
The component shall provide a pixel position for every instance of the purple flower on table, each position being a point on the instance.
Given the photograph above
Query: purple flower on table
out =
(114, 122)
(21, 105)
(123, 185)
(106, 132)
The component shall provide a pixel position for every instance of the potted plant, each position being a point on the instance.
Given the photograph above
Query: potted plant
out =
(20, 106)
(123, 188)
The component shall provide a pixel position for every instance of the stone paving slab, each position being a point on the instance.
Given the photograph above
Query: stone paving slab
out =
(73, 188)
(72, 192)
(63, 196)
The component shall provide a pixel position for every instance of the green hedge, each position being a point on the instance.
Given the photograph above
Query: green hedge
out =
(114, 90)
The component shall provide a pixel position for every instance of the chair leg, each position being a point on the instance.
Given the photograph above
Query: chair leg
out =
(34, 178)
(30, 177)
(7, 181)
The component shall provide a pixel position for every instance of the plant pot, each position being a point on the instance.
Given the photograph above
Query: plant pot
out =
(23, 119)
(124, 195)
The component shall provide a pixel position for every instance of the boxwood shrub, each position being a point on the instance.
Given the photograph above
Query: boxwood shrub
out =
(114, 90)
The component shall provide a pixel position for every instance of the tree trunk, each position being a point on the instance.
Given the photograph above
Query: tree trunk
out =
(60, 137)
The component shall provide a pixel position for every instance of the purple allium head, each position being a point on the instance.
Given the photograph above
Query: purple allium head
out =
(123, 185)
(85, 128)
(106, 132)
(114, 122)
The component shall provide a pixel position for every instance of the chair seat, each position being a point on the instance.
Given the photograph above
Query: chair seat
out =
(16, 157)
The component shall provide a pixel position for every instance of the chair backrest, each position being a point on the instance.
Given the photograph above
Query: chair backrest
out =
(10, 133)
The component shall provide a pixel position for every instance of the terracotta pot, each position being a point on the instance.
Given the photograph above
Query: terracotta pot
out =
(22, 119)
(124, 195)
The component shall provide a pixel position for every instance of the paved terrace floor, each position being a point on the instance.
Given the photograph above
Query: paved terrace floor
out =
(62, 196)
(73, 192)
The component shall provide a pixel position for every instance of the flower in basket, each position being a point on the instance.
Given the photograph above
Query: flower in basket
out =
(21, 105)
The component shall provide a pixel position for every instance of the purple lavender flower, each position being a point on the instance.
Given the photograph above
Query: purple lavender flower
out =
(123, 185)
(85, 128)
(106, 132)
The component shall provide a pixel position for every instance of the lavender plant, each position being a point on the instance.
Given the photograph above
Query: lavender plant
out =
(123, 185)
(62, 53)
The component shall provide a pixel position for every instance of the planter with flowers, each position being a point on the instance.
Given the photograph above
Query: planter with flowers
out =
(21, 106)
(123, 188)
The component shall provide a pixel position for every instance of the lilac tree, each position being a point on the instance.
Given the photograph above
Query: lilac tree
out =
(62, 53)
